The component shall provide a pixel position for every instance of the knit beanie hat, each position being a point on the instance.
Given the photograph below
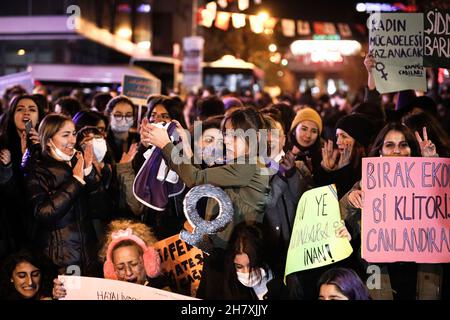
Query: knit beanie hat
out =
(358, 126)
(307, 114)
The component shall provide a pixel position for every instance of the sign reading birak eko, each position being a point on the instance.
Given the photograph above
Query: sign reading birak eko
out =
(406, 214)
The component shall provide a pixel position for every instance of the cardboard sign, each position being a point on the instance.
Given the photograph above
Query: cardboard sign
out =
(406, 213)
(436, 39)
(396, 42)
(138, 88)
(313, 242)
(87, 288)
(181, 263)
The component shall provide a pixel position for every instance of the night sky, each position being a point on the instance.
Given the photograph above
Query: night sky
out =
(317, 10)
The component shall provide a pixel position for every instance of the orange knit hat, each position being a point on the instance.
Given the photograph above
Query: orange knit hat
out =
(307, 114)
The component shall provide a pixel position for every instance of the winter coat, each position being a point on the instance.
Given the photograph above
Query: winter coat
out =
(63, 229)
(280, 214)
(245, 184)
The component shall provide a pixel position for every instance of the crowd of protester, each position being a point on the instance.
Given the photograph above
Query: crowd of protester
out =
(68, 164)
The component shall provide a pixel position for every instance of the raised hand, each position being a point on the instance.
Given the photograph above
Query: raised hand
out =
(329, 156)
(34, 137)
(88, 154)
(427, 148)
(129, 156)
(5, 157)
(287, 164)
(342, 232)
(356, 198)
(157, 136)
(369, 62)
(345, 156)
(143, 131)
(77, 170)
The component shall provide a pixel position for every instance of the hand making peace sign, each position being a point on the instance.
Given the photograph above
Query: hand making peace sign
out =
(427, 148)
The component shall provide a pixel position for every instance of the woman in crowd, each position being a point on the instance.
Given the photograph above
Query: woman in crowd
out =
(286, 187)
(120, 137)
(162, 109)
(18, 134)
(128, 256)
(342, 166)
(58, 181)
(240, 177)
(342, 284)
(305, 142)
(26, 275)
(208, 145)
(100, 204)
(244, 273)
(398, 280)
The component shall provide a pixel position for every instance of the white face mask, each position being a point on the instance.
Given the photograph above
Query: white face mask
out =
(100, 148)
(251, 279)
(58, 154)
(123, 125)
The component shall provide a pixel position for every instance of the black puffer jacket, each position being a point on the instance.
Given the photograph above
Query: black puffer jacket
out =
(62, 229)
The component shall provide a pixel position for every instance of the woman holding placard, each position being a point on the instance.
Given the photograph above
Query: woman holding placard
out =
(398, 280)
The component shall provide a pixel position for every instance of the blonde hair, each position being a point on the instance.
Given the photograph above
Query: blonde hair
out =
(139, 229)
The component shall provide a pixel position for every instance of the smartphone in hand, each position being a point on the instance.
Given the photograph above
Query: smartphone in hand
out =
(28, 126)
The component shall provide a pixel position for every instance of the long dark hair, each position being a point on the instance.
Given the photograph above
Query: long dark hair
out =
(10, 139)
(173, 105)
(246, 238)
(395, 126)
(435, 131)
(347, 282)
(115, 101)
(47, 268)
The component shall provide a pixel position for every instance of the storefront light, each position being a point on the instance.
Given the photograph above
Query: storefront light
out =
(124, 33)
(144, 45)
(344, 47)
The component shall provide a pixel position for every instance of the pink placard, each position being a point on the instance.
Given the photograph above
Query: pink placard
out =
(406, 214)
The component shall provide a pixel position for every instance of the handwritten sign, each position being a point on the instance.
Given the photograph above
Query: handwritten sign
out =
(406, 213)
(396, 42)
(437, 39)
(87, 288)
(313, 242)
(181, 263)
(138, 88)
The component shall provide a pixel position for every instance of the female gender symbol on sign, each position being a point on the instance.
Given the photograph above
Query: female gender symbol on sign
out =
(201, 226)
(379, 66)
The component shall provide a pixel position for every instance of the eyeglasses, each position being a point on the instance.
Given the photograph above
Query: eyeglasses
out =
(163, 116)
(119, 116)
